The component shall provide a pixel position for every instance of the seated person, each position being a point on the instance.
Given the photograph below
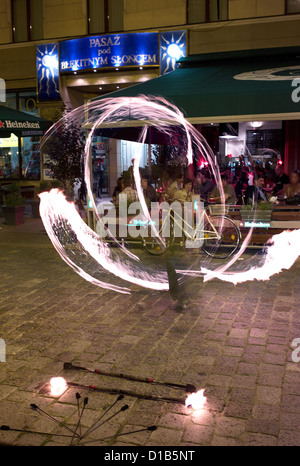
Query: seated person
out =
(118, 189)
(228, 189)
(203, 185)
(175, 186)
(197, 182)
(230, 176)
(128, 191)
(292, 191)
(148, 190)
(241, 186)
(281, 179)
(184, 194)
(256, 193)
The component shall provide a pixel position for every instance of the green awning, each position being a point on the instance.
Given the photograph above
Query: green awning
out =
(20, 123)
(230, 86)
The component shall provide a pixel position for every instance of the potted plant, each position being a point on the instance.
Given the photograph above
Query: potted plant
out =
(262, 211)
(14, 207)
(65, 150)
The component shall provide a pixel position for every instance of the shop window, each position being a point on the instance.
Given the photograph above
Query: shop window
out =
(105, 16)
(201, 11)
(28, 160)
(9, 158)
(20, 157)
(27, 103)
(24, 101)
(11, 100)
(31, 158)
(27, 20)
(293, 6)
(100, 165)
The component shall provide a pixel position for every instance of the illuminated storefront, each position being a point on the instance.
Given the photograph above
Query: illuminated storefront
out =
(77, 70)
(20, 135)
(19, 154)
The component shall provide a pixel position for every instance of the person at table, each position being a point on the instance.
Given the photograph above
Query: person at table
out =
(229, 174)
(148, 190)
(256, 193)
(229, 193)
(118, 189)
(176, 185)
(184, 194)
(241, 186)
(281, 179)
(203, 185)
(128, 191)
(292, 191)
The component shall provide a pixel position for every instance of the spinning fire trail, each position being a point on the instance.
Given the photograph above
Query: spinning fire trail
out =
(118, 268)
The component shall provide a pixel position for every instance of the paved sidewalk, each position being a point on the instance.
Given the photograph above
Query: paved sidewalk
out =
(234, 341)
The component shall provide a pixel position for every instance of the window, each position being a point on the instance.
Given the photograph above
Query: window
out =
(30, 157)
(27, 20)
(105, 16)
(96, 16)
(19, 20)
(202, 11)
(115, 15)
(36, 19)
(218, 10)
(27, 103)
(293, 6)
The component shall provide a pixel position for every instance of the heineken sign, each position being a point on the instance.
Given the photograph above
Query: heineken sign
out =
(19, 124)
(28, 128)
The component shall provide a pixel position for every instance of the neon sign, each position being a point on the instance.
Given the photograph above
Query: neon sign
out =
(257, 224)
(114, 50)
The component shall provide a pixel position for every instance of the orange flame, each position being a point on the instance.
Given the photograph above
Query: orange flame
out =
(58, 386)
(196, 400)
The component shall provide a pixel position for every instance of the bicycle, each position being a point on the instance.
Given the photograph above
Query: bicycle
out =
(217, 235)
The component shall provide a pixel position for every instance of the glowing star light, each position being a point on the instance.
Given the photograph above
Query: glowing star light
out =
(172, 49)
(47, 68)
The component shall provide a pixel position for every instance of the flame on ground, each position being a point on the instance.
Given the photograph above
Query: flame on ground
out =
(196, 400)
(58, 386)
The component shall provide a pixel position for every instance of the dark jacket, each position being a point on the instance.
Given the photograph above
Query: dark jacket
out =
(259, 194)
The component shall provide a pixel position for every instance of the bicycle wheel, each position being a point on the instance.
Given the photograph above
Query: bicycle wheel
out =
(154, 247)
(221, 237)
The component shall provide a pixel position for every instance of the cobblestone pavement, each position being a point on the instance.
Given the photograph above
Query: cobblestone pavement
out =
(234, 341)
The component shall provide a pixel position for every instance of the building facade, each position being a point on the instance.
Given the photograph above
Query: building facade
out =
(31, 29)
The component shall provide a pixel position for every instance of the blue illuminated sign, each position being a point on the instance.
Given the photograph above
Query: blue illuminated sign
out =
(172, 47)
(47, 72)
(113, 50)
